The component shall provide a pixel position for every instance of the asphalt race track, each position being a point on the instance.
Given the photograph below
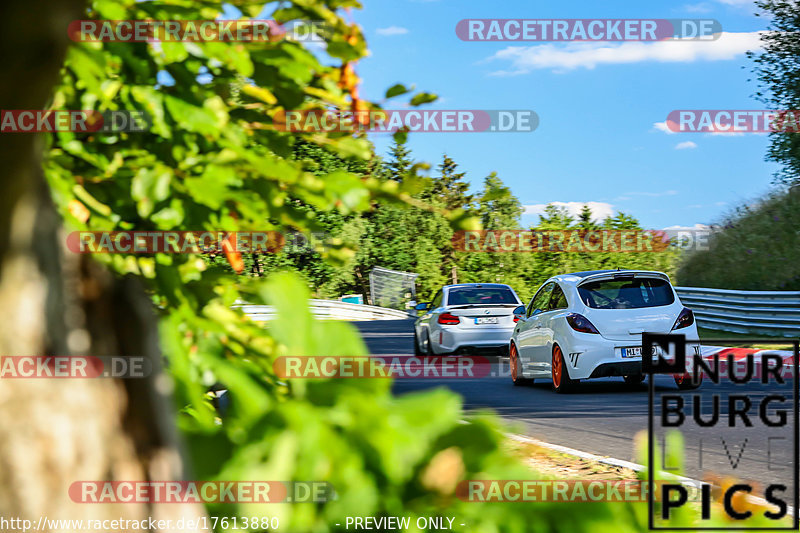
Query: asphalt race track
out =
(603, 415)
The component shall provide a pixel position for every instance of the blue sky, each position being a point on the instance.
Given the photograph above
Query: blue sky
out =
(596, 140)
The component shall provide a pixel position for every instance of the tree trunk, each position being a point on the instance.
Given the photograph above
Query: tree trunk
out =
(55, 432)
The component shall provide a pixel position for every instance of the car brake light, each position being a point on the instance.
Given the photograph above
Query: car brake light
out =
(516, 318)
(447, 318)
(685, 319)
(581, 323)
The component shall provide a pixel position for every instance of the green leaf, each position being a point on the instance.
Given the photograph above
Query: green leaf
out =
(397, 90)
(150, 186)
(423, 98)
(401, 135)
(212, 189)
(191, 117)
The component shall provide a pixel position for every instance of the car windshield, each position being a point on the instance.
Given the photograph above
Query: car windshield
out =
(626, 294)
(481, 296)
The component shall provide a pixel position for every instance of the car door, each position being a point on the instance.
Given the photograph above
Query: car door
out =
(427, 322)
(544, 348)
(528, 334)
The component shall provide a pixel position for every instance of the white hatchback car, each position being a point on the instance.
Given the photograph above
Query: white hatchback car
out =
(466, 317)
(589, 325)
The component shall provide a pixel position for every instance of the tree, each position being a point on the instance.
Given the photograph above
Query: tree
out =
(66, 430)
(448, 187)
(498, 209)
(450, 192)
(585, 218)
(497, 205)
(399, 163)
(328, 267)
(778, 70)
(406, 237)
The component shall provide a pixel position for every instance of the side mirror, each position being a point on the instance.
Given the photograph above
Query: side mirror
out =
(519, 312)
(421, 307)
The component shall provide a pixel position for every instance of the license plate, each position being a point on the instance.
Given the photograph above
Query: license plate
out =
(486, 320)
(636, 351)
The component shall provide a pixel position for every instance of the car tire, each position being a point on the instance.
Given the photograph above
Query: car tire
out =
(516, 372)
(428, 347)
(559, 372)
(684, 381)
(634, 379)
(417, 350)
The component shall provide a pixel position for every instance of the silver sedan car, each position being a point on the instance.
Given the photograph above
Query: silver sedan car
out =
(466, 317)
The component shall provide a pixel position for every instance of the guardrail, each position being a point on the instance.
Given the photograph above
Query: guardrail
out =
(749, 312)
(329, 310)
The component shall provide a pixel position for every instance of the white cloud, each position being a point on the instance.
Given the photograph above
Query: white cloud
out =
(392, 30)
(600, 210)
(685, 145)
(574, 55)
(696, 227)
(662, 126)
(682, 232)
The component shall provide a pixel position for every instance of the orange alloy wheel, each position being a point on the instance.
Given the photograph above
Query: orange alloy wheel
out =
(514, 362)
(557, 366)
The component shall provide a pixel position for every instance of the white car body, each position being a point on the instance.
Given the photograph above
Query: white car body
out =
(483, 319)
(642, 304)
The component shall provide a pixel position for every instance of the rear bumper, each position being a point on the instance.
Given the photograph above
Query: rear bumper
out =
(603, 358)
(624, 368)
(455, 339)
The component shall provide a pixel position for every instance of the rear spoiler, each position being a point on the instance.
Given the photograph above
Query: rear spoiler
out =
(624, 274)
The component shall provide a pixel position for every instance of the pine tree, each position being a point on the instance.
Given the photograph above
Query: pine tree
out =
(497, 205)
(450, 191)
(585, 221)
(400, 162)
(449, 188)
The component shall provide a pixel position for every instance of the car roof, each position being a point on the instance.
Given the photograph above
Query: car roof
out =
(585, 273)
(575, 278)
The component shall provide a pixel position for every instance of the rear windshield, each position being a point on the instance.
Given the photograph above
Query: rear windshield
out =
(481, 296)
(626, 293)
